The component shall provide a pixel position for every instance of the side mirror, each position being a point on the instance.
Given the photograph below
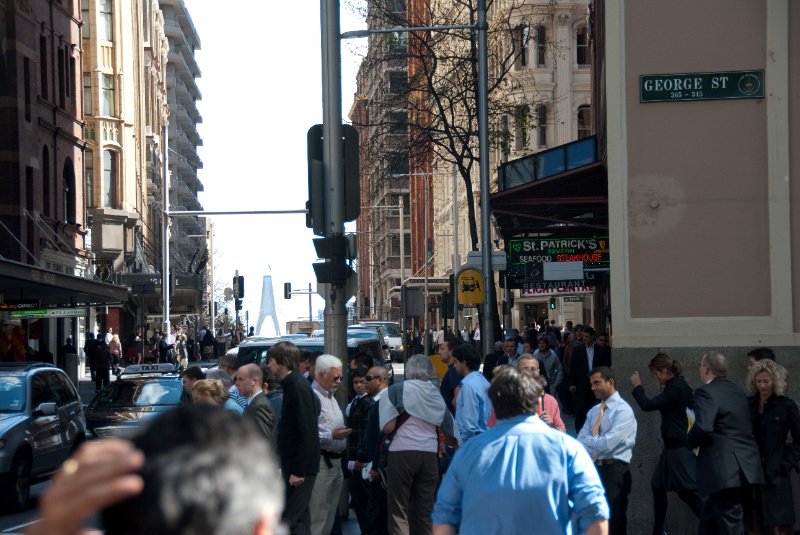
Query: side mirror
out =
(46, 409)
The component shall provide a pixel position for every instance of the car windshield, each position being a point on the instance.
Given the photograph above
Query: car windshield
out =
(126, 393)
(12, 394)
(362, 334)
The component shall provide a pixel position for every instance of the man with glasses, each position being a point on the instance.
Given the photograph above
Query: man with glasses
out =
(333, 441)
(376, 521)
(357, 414)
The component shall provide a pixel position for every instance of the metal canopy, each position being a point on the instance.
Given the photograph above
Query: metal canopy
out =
(575, 201)
(20, 281)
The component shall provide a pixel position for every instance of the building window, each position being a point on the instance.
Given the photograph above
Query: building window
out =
(146, 21)
(85, 20)
(62, 84)
(582, 47)
(46, 180)
(520, 38)
(43, 65)
(541, 45)
(541, 125)
(26, 73)
(398, 83)
(398, 164)
(88, 174)
(105, 23)
(584, 121)
(398, 123)
(70, 201)
(397, 44)
(107, 95)
(396, 6)
(109, 179)
(87, 93)
(521, 121)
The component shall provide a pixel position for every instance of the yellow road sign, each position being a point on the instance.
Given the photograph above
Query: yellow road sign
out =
(470, 287)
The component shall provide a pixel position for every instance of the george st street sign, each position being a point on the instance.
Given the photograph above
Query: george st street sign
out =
(701, 86)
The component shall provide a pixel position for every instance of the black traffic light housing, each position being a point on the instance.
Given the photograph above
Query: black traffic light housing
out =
(316, 218)
(552, 303)
(237, 303)
(336, 250)
(287, 290)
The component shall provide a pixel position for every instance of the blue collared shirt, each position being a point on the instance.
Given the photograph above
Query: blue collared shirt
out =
(617, 431)
(473, 407)
(521, 477)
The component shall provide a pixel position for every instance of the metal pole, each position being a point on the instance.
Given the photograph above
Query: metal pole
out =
(426, 340)
(211, 275)
(402, 243)
(335, 298)
(165, 235)
(310, 314)
(456, 255)
(487, 322)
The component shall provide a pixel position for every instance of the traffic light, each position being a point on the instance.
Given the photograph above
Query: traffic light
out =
(336, 252)
(287, 290)
(216, 309)
(316, 217)
(237, 303)
(552, 303)
(238, 287)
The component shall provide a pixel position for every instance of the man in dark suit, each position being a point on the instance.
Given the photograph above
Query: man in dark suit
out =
(259, 408)
(585, 358)
(728, 456)
(508, 356)
(298, 436)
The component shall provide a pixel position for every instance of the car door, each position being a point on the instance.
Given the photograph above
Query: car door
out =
(45, 432)
(70, 414)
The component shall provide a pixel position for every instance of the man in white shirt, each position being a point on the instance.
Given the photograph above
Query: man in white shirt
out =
(333, 441)
(609, 435)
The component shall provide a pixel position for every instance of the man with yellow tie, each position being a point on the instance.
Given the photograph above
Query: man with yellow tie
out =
(609, 435)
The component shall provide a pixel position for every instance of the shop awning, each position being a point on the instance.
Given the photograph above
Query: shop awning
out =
(563, 190)
(26, 283)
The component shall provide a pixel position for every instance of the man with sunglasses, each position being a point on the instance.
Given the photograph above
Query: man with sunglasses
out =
(333, 442)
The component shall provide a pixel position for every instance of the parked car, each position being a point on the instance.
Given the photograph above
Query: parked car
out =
(393, 336)
(41, 423)
(141, 392)
(256, 350)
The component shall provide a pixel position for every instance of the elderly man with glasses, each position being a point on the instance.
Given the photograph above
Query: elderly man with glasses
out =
(333, 441)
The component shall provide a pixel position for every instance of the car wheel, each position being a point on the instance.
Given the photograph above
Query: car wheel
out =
(18, 484)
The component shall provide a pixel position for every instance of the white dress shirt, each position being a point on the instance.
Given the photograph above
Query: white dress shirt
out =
(617, 431)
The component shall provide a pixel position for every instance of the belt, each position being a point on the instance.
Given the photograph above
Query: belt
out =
(608, 462)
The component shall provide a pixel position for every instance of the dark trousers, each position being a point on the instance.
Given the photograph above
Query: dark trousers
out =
(689, 497)
(413, 478)
(377, 512)
(722, 513)
(296, 515)
(102, 377)
(616, 480)
(359, 498)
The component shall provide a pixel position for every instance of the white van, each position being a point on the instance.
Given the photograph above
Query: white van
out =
(393, 337)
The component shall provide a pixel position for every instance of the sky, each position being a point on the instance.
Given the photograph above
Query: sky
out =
(262, 89)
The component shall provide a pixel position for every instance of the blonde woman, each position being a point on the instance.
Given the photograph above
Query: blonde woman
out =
(209, 392)
(773, 416)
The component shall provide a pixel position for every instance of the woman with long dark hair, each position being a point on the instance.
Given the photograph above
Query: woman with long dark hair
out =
(676, 467)
(773, 416)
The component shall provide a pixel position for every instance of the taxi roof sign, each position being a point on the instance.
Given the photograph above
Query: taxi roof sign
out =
(164, 367)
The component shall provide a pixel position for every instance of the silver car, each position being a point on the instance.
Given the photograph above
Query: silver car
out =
(41, 422)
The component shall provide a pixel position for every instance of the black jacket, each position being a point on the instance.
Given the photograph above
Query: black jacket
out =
(671, 403)
(491, 361)
(579, 373)
(260, 412)
(781, 416)
(298, 432)
(728, 453)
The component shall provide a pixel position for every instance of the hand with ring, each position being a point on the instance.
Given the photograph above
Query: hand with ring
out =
(98, 475)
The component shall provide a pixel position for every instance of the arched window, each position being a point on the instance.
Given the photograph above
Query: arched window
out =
(70, 193)
(46, 181)
(520, 37)
(584, 121)
(582, 47)
(110, 166)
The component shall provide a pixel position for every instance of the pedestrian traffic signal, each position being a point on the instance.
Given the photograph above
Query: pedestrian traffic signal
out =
(238, 287)
(552, 303)
(287, 290)
(237, 303)
(336, 252)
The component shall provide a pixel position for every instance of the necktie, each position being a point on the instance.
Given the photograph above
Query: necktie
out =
(596, 425)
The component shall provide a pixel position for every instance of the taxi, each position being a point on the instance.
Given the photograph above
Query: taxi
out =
(141, 392)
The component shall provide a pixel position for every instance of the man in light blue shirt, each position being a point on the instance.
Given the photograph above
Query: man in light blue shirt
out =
(609, 435)
(473, 407)
(522, 476)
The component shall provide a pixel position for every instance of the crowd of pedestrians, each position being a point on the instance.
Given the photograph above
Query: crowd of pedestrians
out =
(484, 448)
